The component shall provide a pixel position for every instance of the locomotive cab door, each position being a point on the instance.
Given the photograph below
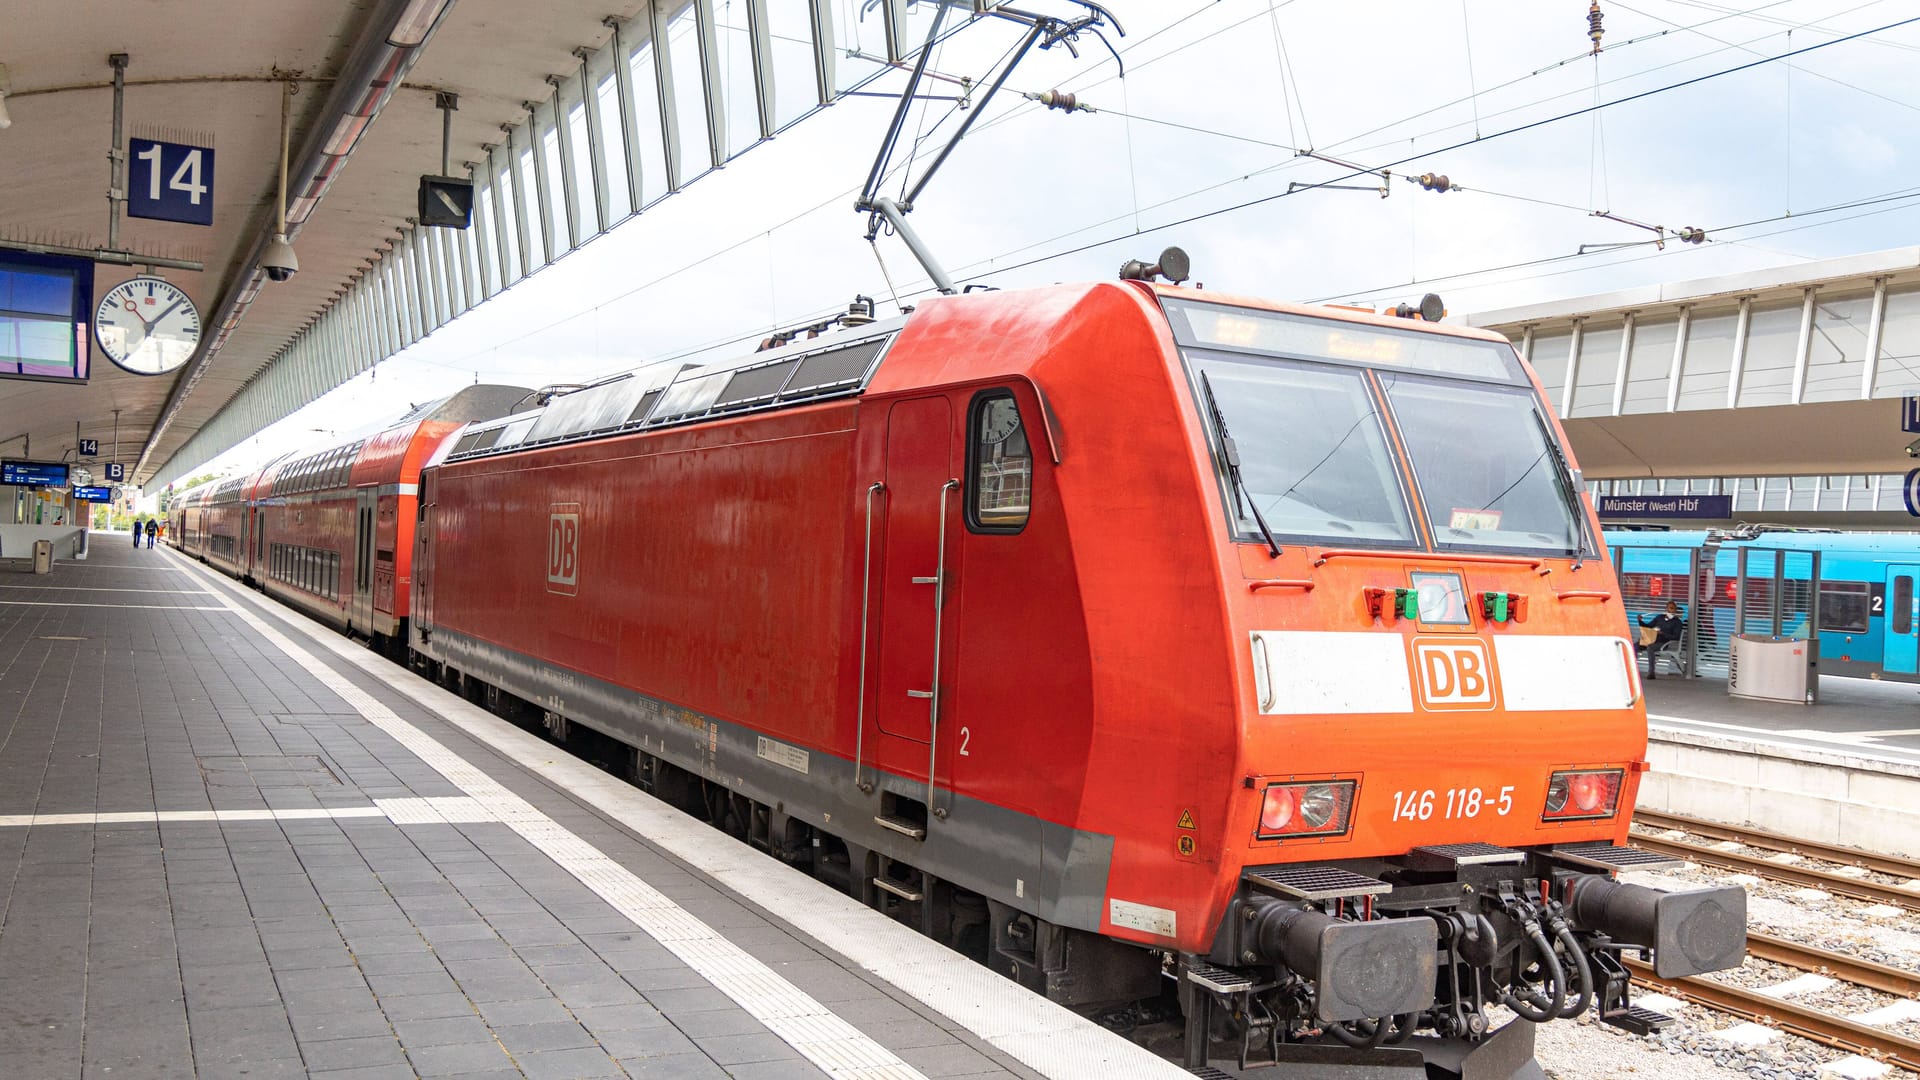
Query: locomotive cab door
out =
(360, 614)
(915, 568)
(1901, 653)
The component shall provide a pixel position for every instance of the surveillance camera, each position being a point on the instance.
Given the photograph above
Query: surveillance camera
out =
(279, 261)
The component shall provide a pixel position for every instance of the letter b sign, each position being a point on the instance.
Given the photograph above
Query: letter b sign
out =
(563, 549)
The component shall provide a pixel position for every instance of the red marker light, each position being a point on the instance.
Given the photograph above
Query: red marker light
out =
(1321, 808)
(1276, 813)
(1572, 796)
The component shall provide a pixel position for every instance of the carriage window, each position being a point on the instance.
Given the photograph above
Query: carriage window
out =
(1001, 465)
(1844, 606)
(1902, 604)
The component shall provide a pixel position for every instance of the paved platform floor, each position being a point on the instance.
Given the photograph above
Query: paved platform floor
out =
(1862, 717)
(227, 851)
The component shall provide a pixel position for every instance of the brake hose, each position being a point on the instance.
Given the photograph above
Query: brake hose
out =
(1361, 1034)
(1582, 969)
(1556, 999)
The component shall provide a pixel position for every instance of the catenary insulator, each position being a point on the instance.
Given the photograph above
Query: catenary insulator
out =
(1692, 234)
(1593, 25)
(1062, 100)
(1435, 182)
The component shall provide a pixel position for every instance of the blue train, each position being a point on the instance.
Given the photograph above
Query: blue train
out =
(1869, 615)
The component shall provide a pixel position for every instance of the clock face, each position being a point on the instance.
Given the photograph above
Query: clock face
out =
(147, 326)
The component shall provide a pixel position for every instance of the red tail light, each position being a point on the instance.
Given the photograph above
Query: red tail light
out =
(1322, 808)
(1577, 795)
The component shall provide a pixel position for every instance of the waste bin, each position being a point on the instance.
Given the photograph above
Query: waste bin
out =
(1770, 668)
(43, 556)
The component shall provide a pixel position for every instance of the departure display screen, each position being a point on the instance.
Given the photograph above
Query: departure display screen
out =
(93, 494)
(33, 473)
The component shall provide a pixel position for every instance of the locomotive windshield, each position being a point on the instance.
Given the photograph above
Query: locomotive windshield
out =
(1312, 404)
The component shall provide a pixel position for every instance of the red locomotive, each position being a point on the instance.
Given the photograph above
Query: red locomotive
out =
(1115, 634)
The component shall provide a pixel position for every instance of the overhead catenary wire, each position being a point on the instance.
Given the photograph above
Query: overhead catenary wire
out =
(1516, 129)
(1217, 211)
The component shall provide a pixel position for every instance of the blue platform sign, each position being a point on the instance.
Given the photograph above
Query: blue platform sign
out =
(1910, 415)
(89, 447)
(1653, 507)
(170, 181)
(116, 472)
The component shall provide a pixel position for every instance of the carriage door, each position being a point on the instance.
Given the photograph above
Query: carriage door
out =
(360, 613)
(919, 468)
(1903, 622)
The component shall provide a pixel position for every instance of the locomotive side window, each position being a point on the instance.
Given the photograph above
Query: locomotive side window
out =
(1902, 603)
(1000, 462)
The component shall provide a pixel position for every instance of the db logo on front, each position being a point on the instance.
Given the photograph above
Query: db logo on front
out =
(1453, 673)
(563, 549)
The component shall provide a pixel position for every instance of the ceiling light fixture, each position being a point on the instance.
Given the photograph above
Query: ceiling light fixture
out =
(410, 30)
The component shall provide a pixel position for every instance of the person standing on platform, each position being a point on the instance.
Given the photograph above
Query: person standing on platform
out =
(153, 529)
(136, 533)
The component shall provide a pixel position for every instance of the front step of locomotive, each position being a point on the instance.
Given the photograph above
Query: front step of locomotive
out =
(1389, 965)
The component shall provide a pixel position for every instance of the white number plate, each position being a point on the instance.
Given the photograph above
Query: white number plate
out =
(1452, 804)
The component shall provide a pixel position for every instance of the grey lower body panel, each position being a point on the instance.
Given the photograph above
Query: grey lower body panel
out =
(1049, 870)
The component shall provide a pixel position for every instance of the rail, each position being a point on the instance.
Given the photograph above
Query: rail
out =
(1772, 841)
(1881, 977)
(1824, 1028)
(1837, 884)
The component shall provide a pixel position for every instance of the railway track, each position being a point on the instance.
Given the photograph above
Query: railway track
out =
(1771, 841)
(1889, 980)
(1824, 1028)
(1825, 880)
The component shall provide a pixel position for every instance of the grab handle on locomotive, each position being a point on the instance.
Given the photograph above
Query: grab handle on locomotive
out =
(878, 487)
(939, 602)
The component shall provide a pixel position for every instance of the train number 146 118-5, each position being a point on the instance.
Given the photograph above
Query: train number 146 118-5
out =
(1452, 804)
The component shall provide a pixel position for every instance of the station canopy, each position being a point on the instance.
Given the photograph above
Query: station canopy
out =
(566, 117)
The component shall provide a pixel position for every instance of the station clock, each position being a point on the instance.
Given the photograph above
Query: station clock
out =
(147, 325)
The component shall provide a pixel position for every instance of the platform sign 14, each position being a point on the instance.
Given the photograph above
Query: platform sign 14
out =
(170, 181)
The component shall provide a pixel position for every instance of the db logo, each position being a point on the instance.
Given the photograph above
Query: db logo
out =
(563, 549)
(1453, 673)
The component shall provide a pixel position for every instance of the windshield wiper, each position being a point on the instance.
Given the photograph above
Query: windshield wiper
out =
(1573, 487)
(1232, 453)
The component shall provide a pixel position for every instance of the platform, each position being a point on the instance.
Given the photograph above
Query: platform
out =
(1845, 771)
(235, 844)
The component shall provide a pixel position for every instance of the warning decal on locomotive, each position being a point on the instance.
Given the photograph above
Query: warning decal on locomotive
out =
(1453, 673)
(563, 549)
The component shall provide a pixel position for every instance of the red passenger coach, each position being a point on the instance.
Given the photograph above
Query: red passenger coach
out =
(1106, 632)
(331, 532)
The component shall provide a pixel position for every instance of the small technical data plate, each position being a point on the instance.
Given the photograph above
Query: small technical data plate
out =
(1315, 882)
(1608, 857)
(1218, 979)
(1448, 856)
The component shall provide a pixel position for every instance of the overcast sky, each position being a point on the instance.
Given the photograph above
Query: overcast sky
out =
(1218, 98)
